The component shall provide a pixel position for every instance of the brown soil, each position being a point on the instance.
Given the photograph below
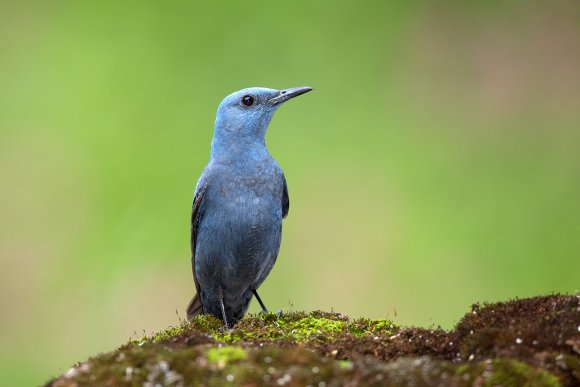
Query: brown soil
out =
(534, 342)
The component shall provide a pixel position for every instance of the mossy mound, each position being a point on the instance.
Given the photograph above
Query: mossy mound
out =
(531, 342)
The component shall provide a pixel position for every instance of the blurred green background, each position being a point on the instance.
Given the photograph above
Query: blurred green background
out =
(436, 164)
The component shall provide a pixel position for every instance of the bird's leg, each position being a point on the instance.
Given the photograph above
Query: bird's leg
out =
(224, 313)
(223, 310)
(264, 309)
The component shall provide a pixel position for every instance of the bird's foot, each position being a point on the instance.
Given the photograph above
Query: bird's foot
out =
(225, 329)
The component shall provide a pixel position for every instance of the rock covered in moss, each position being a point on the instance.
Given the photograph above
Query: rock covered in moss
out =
(532, 342)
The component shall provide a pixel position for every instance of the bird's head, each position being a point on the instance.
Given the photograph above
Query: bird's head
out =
(245, 114)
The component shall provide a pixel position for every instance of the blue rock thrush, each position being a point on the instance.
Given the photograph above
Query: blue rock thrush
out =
(238, 207)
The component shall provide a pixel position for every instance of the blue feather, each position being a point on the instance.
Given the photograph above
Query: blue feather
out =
(239, 202)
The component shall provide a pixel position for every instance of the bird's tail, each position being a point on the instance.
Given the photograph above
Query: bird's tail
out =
(194, 308)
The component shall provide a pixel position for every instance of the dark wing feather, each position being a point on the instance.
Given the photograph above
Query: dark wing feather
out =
(285, 199)
(195, 307)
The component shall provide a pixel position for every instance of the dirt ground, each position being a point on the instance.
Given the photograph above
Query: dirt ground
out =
(531, 342)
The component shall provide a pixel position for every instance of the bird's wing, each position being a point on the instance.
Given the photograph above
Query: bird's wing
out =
(195, 307)
(285, 198)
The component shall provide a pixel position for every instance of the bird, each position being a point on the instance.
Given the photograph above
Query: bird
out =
(239, 202)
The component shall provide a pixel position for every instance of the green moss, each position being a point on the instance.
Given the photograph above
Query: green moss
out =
(296, 327)
(169, 333)
(299, 327)
(463, 369)
(206, 323)
(226, 355)
(304, 328)
(166, 334)
(155, 363)
(506, 373)
(364, 326)
(346, 364)
(512, 373)
(309, 348)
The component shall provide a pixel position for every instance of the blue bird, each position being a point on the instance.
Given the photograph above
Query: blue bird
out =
(238, 206)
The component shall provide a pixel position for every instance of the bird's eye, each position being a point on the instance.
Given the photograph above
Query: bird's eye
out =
(248, 100)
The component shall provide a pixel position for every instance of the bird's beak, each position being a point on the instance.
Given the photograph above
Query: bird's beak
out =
(286, 94)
